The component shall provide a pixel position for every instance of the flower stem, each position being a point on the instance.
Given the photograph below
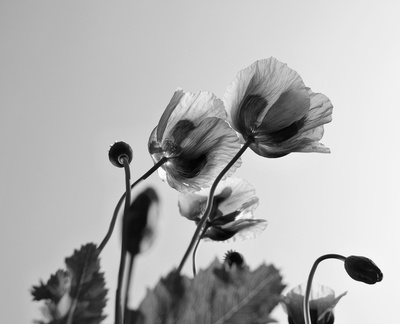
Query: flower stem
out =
(210, 201)
(118, 310)
(128, 284)
(306, 300)
(195, 249)
(117, 208)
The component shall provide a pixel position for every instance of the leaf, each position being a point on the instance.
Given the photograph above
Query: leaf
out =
(54, 289)
(76, 295)
(87, 286)
(217, 295)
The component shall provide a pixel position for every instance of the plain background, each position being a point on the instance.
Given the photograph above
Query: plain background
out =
(78, 75)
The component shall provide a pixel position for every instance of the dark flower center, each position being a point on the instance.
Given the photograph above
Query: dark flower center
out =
(189, 166)
(279, 136)
(250, 108)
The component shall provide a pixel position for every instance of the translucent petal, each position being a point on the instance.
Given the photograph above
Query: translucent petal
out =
(192, 205)
(176, 98)
(268, 78)
(291, 106)
(322, 299)
(246, 228)
(243, 196)
(194, 107)
(213, 142)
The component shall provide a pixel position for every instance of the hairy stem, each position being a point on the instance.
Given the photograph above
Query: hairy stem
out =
(118, 310)
(195, 249)
(210, 201)
(117, 208)
(306, 300)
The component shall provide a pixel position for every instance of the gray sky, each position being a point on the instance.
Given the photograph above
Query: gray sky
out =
(78, 75)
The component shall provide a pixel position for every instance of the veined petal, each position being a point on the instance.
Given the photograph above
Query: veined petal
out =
(320, 111)
(176, 98)
(246, 228)
(193, 107)
(243, 197)
(268, 78)
(205, 152)
(192, 205)
(291, 106)
(322, 302)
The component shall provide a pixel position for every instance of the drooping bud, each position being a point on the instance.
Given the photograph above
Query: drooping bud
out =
(118, 151)
(140, 222)
(363, 269)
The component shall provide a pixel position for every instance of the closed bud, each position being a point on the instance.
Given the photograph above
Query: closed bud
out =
(118, 151)
(140, 222)
(234, 258)
(363, 269)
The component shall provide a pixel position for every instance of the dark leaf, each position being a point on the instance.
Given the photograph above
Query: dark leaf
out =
(77, 295)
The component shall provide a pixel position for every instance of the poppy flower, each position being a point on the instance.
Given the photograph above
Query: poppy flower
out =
(232, 213)
(269, 105)
(322, 302)
(196, 139)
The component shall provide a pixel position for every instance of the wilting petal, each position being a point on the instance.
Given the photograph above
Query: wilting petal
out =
(237, 230)
(322, 302)
(192, 205)
(243, 196)
(232, 213)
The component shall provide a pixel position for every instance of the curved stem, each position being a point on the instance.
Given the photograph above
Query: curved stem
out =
(306, 300)
(195, 250)
(128, 284)
(118, 310)
(117, 208)
(210, 201)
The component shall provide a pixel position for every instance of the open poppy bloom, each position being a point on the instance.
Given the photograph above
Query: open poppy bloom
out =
(196, 139)
(269, 105)
(232, 213)
(322, 302)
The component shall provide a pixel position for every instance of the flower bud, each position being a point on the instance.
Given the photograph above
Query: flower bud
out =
(118, 151)
(362, 269)
(233, 257)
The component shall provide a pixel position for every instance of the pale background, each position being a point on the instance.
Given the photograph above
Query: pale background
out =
(78, 75)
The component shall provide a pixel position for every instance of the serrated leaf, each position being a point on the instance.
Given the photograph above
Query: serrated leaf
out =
(217, 295)
(87, 286)
(77, 295)
(54, 289)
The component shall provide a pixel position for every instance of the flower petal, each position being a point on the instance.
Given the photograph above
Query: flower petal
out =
(192, 205)
(176, 98)
(291, 106)
(268, 78)
(205, 152)
(193, 107)
(246, 228)
(243, 197)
